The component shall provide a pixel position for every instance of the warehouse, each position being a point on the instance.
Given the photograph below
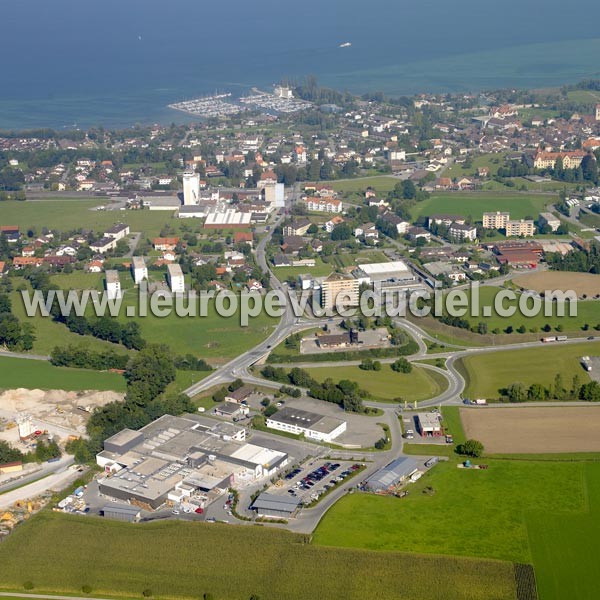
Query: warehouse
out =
(122, 512)
(226, 219)
(277, 507)
(311, 425)
(396, 270)
(392, 474)
(429, 424)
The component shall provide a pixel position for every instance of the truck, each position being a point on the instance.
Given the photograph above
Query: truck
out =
(554, 338)
(480, 401)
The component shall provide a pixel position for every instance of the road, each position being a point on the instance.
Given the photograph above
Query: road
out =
(65, 473)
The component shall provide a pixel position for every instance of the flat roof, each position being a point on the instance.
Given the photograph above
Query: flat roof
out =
(306, 419)
(124, 437)
(429, 420)
(384, 267)
(139, 262)
(112, 276)
(175, 270)
(268, 501)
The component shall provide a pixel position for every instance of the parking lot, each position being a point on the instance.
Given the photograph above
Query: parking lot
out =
(310, 481)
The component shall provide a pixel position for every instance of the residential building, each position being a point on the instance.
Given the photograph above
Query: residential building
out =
(338, 284)
(547, 160)
(328, 205)
(548, 219)
(118, 231)
(139, 270)
(462, 232)
(175, 278)
(165, 243)
(495, 220)
(297, 227)
(191, 189)
(113, 284)
(446, 220)
(520, 228)
(104, 245)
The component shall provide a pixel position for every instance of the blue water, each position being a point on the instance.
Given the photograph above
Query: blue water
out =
(119, 62)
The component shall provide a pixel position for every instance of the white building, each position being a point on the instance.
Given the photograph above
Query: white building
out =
(175, 278)
(104, 245)
(462, 232)
(549, 219)
(312, 425)
(117, 232)
(113, 284)
(191, 189)
(139, 270)
(328, 205)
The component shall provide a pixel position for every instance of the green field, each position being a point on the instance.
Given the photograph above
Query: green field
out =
(214, 337)
(475, 204)
(587, 312)
(487, 373)
(387, 385)
(524, 511)
(187, 560)
(382, 183)
(38, 374)
(492, 161)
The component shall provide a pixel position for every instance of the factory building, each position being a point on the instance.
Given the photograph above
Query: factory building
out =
(175, 457)
(391, 475)
(312, 425)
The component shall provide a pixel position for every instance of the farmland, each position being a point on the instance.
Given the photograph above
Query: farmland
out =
(534, 430)
(383, 183)
(581, 283)
(170, 560)
(526, 511)
(38, 374)
(475, 204)
(487, 373)
(387, 385)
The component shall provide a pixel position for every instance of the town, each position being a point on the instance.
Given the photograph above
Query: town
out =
(339, 432)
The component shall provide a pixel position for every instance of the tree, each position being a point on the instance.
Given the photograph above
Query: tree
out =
(402, 366)
(472, 448)
(517, 392)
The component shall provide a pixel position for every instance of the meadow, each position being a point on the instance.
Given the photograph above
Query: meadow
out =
(387, 385)
(487, 373)
(545, 513)
(381, 183)
(474, 204)
(187, 560)
(38, 374)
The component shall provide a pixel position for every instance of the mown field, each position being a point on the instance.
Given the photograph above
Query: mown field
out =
(187, 560)
(474, 204)
(37, 374)
(580, 283)
(525, 511)
(212, 337)
(487, 373)
(387, 385)
(380, 183)
(588, 312)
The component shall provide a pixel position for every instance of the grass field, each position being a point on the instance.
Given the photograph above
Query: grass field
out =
(381, 183)
(66, 215)
(587, 312)
(489, 372)
(212, 337)
(37, 374)
(386, 384)
(186, 560)
(526, 511)
(475, 204)
(492, 161)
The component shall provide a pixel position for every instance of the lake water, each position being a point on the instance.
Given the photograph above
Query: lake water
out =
(119, 62)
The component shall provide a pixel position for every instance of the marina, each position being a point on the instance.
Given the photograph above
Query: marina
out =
(209, 106)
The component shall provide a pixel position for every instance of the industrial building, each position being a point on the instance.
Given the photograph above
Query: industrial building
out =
(429, 424)
(391, 475)
(547, 218)
(226, 219)
(122, 512)
(274, 506)
(176, 457)
(312, 425)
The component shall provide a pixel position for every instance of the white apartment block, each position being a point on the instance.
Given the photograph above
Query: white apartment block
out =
(328, 205)
(139, 270)
(549, 219)
(175, 278)
(495, 220)
(113, 284)
(337, 285)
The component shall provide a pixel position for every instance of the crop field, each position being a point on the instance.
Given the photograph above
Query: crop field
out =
(171, 559)
(545, 513)
(475, 204)
(387, 385)
(534, 430)
(581, 283)
(39, 374)
(487, 373)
